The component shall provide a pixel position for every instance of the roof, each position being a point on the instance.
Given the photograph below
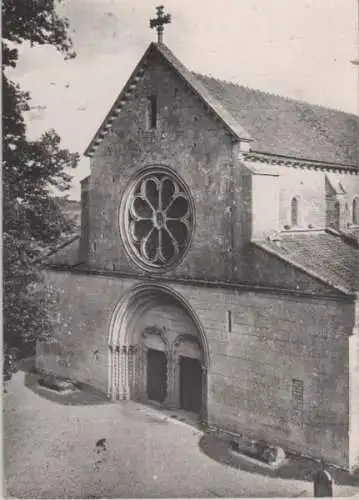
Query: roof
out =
(287, 127)
(274, 124)
(66, 254)
(325, 255)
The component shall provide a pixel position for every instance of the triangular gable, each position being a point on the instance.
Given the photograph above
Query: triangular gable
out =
(230, 123)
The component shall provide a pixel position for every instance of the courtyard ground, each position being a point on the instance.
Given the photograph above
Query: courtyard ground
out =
(84, 447)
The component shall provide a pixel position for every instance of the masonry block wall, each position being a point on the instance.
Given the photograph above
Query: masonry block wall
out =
(283, 368)
(85, 220)
(189, 141)
(308, 187)
(354, 389)
(228, 206)
(280, 372)
(315, 200)
(264, 201)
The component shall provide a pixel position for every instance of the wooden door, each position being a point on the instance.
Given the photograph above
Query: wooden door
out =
(156, 375)
(190, 384)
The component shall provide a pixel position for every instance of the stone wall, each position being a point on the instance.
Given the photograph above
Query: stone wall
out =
(282, 372)
(85, 220)
(315, 206)
(231, 204)
(354, 390)
(188, 140)
(316, 190)
(279, 347)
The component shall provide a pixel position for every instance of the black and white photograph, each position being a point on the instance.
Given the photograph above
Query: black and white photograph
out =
(180, 239)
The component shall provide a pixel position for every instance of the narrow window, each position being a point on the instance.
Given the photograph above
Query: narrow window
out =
(294, 212)
(229, 321)
(152, 112)
(355, 211)
(337, 215)
(297, 401)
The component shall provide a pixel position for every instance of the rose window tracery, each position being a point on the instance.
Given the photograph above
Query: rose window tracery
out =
(158, 219)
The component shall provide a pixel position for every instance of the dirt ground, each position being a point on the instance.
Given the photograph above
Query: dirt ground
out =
(80, 446)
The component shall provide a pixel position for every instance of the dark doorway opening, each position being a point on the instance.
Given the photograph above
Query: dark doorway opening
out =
(190, 385)
(156, 375)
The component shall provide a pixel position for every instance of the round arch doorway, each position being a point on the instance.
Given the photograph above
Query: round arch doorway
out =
(158, 351)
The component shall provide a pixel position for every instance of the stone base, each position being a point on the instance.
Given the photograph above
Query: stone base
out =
(260, 450)
(258, 462)
(56, 384)
(271, 457)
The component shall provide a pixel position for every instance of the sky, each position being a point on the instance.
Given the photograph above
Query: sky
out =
(295, 48)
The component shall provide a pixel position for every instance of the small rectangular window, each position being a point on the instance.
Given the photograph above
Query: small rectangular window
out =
(152, 112)
(229, 321)
(297, 401)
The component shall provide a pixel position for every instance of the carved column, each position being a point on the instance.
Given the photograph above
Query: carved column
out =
(121, 372)
(142, 375)
(126, 388)
(172, 399)
(204, 411)
(110, 373)
(132, 351)
(117, 371)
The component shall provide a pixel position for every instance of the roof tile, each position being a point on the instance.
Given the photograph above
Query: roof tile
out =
(329, 256)
(287, 127)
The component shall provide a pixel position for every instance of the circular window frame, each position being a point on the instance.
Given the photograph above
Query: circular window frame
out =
(127, 198)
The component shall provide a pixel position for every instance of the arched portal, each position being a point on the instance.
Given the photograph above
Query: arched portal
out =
(158, 350)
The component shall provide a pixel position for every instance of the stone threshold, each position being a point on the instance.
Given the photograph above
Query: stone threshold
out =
(177, 415)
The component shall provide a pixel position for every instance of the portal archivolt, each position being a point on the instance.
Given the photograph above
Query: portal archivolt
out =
(158, 351)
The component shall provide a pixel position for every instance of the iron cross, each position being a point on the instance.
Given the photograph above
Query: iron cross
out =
(159, 22)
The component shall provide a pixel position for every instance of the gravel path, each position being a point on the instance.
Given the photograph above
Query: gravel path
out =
(51, 452)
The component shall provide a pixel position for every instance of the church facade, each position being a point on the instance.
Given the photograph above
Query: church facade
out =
(217, 267)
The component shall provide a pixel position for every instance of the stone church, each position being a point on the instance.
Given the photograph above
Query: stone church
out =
(217, 268)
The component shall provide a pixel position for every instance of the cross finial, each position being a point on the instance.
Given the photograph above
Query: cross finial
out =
(159, 21)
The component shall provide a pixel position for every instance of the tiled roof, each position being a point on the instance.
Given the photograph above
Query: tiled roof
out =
(288, 127)
(353, 233)
(272, 124)
(323, 254)
(66, 254)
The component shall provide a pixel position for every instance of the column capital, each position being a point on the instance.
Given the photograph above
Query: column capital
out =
(132, 349)
(204, 368)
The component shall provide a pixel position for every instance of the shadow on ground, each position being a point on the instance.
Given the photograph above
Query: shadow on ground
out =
(82, 396)
(297, 468)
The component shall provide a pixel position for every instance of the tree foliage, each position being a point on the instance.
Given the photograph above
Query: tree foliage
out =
(33, 222)
(34, 21)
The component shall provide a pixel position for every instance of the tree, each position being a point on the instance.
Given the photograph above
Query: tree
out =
(33, 222)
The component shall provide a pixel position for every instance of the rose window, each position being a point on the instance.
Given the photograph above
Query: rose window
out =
(158, 219)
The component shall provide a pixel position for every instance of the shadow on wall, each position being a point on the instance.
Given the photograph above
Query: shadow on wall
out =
(297, 468)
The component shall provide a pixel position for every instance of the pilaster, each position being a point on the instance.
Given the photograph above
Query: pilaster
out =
(172, 399)
(204, 410)
(354, 390)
